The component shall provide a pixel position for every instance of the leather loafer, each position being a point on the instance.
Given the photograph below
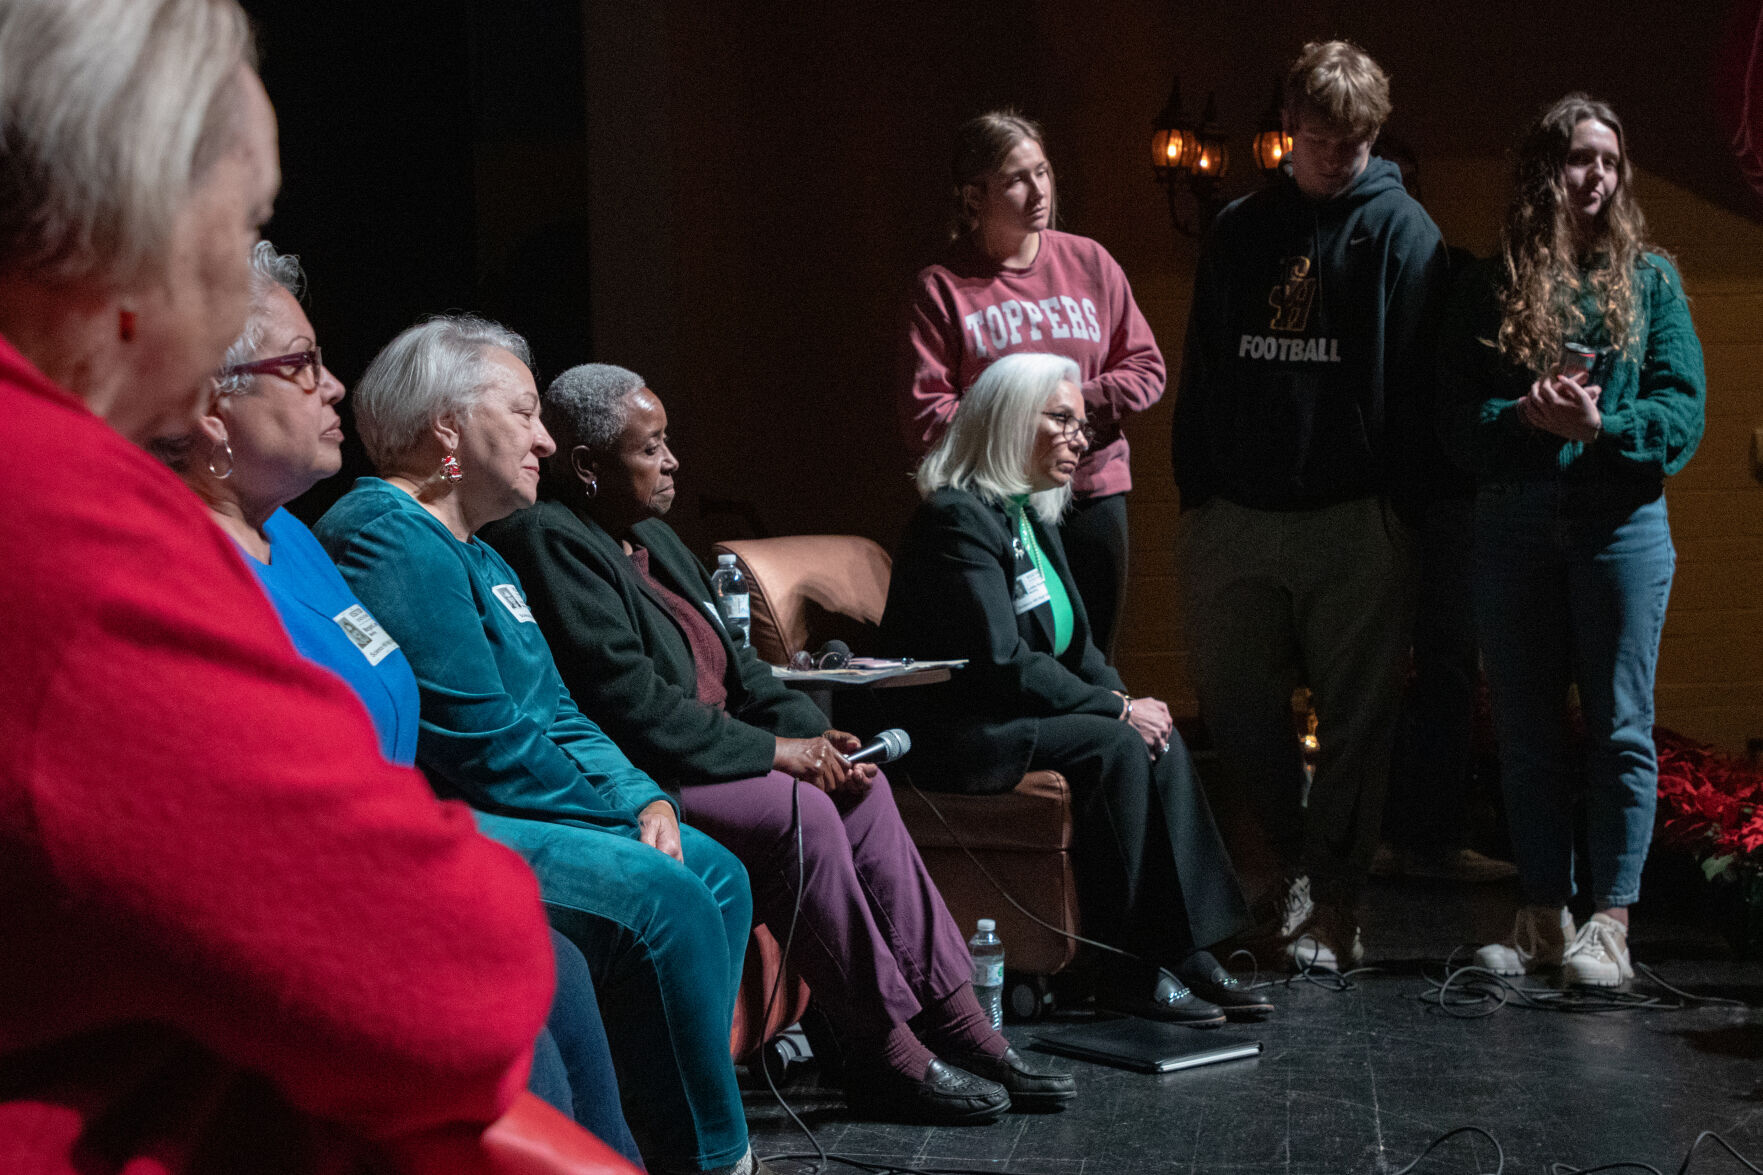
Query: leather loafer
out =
(1030, 1088)
(1164, 998)
(1208, 979)
(946, 1096)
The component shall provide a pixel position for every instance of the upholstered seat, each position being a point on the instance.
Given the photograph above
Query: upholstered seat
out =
(808, 589)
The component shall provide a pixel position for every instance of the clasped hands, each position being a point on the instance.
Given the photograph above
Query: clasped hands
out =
(1151, 719)
(821, 762)
(1562, 405)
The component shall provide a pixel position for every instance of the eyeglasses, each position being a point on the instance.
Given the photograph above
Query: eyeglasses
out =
(293, 368)
(1071, 429)
(802, 660)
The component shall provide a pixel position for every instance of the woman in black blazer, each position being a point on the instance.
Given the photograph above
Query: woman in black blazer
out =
(628, 614)
(981, 574)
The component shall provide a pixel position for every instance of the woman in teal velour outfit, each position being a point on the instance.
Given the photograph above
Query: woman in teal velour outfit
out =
(449, 414)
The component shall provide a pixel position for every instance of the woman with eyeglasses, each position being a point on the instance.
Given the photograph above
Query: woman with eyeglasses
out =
(1010, 282)
(982, 575)
(626, 608)
(271, 433)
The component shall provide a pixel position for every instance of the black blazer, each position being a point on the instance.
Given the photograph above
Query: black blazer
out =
(626, 660)
(951, 596)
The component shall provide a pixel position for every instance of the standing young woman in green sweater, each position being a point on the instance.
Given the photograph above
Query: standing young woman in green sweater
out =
(1571, 384)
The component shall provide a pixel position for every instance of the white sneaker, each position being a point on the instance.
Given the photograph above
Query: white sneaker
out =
(1333, 936)
(1539, 941)
(1295, 907)
(1598, 955)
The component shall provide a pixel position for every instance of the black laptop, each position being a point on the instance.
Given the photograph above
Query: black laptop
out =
(1146, 1045)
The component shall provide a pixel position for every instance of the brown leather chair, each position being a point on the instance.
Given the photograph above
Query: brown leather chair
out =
(807, 589)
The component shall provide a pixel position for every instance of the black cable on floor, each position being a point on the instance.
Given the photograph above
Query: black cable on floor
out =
(1560, 1168)
(1470, 993)
(1499, 1151)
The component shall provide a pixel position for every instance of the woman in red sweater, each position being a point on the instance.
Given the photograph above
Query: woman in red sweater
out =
(232, 937)
(1011, 282)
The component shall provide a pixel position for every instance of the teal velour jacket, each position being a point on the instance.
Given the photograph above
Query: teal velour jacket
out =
(626, 660)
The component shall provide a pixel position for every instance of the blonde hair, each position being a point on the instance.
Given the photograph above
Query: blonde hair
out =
(1339, 83)
(111, 112)
(986, 449)
(1540, 253)
(982, 145)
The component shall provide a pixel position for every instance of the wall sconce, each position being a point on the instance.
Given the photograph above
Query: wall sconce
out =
(1197, 157)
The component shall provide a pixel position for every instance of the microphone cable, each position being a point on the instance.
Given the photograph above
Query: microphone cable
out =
(1469, 992)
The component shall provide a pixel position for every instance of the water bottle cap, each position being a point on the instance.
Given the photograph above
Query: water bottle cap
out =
(725, 560)
(987, 925)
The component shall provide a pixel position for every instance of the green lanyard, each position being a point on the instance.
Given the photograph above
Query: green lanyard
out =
(1057, 597)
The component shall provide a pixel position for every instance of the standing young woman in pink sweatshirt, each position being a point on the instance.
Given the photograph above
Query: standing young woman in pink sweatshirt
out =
(1010, 282)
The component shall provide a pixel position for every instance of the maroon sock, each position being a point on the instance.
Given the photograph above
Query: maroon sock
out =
(956, 1024)
(898, 1051)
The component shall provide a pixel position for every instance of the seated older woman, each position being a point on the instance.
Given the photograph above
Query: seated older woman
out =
(981, 574)
(270, 434)
(450, 417)
(624, 604)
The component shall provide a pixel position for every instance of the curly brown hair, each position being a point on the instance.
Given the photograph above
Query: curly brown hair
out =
(1541, 254)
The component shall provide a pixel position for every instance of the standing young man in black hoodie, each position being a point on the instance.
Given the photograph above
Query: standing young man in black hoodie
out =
(1306, 383)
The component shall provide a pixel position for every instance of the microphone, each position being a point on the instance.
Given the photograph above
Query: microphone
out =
(887, 746)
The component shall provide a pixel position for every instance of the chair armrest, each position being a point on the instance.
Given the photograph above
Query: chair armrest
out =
(530, 1139)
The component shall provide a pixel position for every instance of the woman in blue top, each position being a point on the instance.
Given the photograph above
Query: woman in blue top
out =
(271, 433)
(450, 417)
(1571, 384)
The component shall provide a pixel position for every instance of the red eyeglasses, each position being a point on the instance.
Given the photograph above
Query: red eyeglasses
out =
(289, 367)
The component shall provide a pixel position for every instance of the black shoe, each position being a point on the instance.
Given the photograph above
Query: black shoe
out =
(1210, 981)
(947, 1096)
(1160, 998)
(1029, 1088)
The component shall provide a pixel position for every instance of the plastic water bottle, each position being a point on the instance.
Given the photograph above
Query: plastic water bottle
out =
(730, 587)
(988, 970)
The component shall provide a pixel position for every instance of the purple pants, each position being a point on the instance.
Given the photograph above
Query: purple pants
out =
(874, 940)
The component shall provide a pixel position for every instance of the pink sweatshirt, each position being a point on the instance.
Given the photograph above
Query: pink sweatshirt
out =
(1071, 300)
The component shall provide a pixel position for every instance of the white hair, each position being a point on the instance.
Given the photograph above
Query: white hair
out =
(589, 405)
(270, 270)
(111, 112)
(986, 448)
(433, 368)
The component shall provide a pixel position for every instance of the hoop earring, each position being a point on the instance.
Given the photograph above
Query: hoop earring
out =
(593, 486)
(450, 471)
(225, 449)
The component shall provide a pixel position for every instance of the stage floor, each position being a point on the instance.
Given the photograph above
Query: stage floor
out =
(1362, 1080)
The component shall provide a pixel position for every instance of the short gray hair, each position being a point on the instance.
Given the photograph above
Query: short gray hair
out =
(986, 448)
(111, 112)
(589, 405)
(269, 270)
(433, 368)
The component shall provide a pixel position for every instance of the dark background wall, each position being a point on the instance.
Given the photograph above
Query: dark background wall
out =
(731, 197)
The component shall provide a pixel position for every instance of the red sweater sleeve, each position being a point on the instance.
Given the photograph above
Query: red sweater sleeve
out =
(197, 829)
(928, 384)
(1133, 376)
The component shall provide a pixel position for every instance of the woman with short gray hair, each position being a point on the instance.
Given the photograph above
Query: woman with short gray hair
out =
(450, 415)
(214, 883)
(981, 574)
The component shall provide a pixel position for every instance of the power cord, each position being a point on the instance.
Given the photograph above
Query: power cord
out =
(1499, 1151)
(1560, 1168)
(1469, 993)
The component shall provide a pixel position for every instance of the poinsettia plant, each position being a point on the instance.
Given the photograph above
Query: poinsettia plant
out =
(1710, 805)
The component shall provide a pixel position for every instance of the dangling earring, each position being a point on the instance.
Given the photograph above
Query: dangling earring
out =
(593, 486)
(125, 325)
(450, 471)
(226, 450)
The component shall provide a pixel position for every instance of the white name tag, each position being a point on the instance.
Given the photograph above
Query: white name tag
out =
(1031, 591)
(510, 597)
(358, 624)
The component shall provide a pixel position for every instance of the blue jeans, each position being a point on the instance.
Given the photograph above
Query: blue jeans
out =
(665, 943)
(1571, 583)
(572, 1063)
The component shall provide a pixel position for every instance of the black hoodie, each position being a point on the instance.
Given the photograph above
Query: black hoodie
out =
(1307, 374)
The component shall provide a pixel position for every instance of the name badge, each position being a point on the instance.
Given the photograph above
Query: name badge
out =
(358, 624)
(511, 600)
(1031, 591)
